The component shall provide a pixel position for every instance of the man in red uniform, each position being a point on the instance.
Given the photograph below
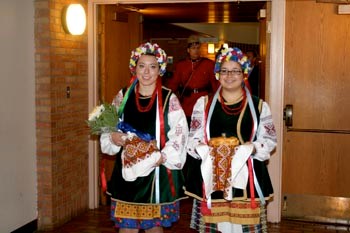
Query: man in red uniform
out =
(193, 77)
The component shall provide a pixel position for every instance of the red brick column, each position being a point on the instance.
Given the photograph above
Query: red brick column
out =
(62, 141)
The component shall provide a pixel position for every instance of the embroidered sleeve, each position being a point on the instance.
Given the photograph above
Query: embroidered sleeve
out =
(196, 135)
(266, 135)
(107, 146)
(174, 151)
(117, 100)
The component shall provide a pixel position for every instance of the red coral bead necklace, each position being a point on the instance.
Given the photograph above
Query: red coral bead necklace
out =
(232, 111)
(137, 100)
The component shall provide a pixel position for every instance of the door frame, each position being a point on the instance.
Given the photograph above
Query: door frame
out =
(275, 96)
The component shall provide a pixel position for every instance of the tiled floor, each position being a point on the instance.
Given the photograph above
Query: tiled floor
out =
(97, 221)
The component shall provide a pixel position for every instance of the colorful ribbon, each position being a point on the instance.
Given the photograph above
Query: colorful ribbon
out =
(252, 176)
(125, 127)
(162, 133)
(103, 176)
(132, 85)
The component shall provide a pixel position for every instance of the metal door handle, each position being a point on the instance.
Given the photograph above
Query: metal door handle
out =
(288, 118)
(288, 115)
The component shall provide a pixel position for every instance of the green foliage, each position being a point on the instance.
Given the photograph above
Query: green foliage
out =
(103, 119)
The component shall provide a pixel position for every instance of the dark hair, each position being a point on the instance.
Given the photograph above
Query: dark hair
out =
(255, 53)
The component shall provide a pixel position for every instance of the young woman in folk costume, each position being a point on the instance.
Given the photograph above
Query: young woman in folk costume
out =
(231, 137)
(147, 181)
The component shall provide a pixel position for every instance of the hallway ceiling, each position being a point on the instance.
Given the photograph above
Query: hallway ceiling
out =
(205, 12)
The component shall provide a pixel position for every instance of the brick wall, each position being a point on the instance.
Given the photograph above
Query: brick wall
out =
(62, 156)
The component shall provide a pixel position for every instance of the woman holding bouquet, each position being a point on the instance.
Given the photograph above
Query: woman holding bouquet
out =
(230, 141)
(147, 181)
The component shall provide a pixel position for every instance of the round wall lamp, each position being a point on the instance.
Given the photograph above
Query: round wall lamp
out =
(74, 19)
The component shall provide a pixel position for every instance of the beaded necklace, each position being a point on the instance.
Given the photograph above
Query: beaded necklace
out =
(232, 111)
(149, 105)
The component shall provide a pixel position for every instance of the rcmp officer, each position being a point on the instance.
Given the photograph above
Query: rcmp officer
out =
(193, 77)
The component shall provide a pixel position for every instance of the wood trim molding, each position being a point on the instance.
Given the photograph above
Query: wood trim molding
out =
(275, 100)
(333, 1)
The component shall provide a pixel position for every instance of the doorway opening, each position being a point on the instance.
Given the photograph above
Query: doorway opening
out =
(94, 93)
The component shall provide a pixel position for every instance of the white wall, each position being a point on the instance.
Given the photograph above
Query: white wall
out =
(18, 191)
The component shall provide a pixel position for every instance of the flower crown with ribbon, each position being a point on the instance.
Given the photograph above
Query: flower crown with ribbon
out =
(232, 54)
(150, 49)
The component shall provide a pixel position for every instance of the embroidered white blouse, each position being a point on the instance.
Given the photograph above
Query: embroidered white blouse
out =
(265, 142)
(174, 151)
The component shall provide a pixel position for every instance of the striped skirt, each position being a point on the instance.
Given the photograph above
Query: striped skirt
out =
(236, 220)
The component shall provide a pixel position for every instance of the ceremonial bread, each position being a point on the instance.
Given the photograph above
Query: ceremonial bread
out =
(228, 141)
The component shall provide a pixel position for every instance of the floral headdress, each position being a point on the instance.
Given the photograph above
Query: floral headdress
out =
(148, 48)
(232, 54)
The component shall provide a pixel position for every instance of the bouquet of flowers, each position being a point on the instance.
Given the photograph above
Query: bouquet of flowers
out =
(103, 119)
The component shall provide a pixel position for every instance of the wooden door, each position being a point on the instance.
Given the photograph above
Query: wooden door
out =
(316, 177)
(119, 33)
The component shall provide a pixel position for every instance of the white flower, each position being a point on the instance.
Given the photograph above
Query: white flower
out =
(96, 112)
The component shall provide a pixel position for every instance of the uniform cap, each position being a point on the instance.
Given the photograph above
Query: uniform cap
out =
(193, 39)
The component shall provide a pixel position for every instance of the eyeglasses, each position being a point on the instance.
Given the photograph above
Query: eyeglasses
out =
(233, 72)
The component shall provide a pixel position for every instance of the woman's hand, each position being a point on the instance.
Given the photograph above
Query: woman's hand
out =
(118, 138)
(159, 162)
